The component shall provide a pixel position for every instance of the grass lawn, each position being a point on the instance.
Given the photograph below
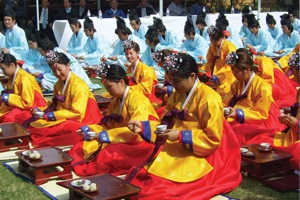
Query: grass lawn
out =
(14, 188)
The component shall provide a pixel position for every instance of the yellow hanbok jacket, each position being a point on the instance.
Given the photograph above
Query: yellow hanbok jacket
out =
(267, 68)
(285, 59)
(136, 107)
(74, 108)
(203, 128)
(256, 105)
(221, 69)
(289, 138)
(23, 96)
(145, 78)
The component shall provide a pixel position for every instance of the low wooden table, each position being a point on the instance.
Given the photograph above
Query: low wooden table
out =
(13, 137)
(265, 164)
(54, 164)
(102, 103)
(109, 187)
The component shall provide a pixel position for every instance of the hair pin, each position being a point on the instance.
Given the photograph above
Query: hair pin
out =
(232, 58)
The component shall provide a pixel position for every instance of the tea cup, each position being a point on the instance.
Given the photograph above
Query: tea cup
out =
(265, 145)
(161, 128)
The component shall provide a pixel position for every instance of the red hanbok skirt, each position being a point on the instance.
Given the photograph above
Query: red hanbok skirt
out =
(283, 90)
(65, 133)
(261, 131)
(116, 159)
(224, 177)
(20, 115)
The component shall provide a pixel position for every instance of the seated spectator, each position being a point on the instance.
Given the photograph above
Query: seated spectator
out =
(78, 38)
(82, 9)
(96, 45)
(286, 41)
(201, 26)
(195, 45)
(258, 39)
(272, 28)
(144, 9)
(113, 11)
(167, 38)
(124, 33)
(66, 12)
(295, 21)
(73, 105)
(199, 7)
(135, 22)
(176, 8)
(15, 38)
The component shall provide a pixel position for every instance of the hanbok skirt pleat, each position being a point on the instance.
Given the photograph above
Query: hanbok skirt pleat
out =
(116, 159)
(65, 133)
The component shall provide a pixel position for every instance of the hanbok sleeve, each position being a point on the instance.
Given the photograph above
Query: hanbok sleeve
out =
(264, 42)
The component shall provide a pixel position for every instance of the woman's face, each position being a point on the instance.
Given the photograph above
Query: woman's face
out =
(116, 90)
(285, 29)
(200, 26)
(61, 71)
(131, 55)
(74, 28)
(8, 70)
(148, 42)
(239, 74)
(135, 25)
(182, 85)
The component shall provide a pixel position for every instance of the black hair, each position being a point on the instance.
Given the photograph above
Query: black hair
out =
(63, 59)
(45, 44)
(124, 31)
(115, 73)
(8, 59)
(244, 60)
(187, 66)
(217, 34)
(135, 47)
(10, 13)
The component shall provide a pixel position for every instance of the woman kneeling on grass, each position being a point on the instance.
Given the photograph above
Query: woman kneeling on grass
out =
(73, 105)
(115, 148)
(22, 93)
(200, 157)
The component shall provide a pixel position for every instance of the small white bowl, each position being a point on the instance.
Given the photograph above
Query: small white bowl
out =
(39, 114)
(243, 150)
(161, 128)
(91, 134)
(159, 85)
(265, 145)
(226, 111)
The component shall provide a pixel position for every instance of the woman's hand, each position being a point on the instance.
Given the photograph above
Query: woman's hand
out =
(114, 58)
(232, 113)
(127, 64)
(79, 132)
(36, 74)
(288, 120)
(170, 134)
(135, 126)
(201, 57)
(103, 59)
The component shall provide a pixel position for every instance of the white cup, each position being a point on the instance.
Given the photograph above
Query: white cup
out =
(265, 145)
(39, 114)
(161, 128)
(226, 111)
(91, 134)
(159, 85)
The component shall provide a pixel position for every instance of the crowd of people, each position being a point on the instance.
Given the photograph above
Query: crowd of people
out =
(154, 79)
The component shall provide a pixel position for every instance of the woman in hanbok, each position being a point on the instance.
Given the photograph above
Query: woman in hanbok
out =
(115, 148)
(141, 77)
(293, 69)
(244, 31)
(253, 113)
(167, 38)
(78, 38)
(195, 45)
(22, 93)
(73, 105)
(221, 74)
(286, 41)
(275, 31)
(197, 135)
(288, 140)
(153, 45)
(283, 89)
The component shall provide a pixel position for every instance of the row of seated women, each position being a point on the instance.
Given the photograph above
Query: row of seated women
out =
(164, 164)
